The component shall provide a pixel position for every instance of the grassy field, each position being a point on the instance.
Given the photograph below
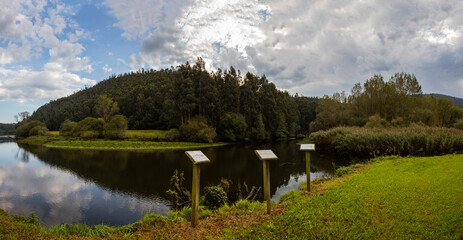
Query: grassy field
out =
(392, 198)
(103, 144)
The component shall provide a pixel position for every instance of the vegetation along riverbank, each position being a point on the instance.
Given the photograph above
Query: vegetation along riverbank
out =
(386, 198)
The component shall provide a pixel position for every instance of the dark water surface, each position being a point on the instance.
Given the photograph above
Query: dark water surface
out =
(118, 187)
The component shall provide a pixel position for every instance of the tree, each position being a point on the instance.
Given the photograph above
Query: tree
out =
(117, 127)
(22, 116)
(31, 128)
(105, 107)
(67, 128)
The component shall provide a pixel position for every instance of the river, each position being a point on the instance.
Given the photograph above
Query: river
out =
(119, 187)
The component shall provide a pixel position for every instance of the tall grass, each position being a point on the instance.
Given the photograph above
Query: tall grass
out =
(372, 142)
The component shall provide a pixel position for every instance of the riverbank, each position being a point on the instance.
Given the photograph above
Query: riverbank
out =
(390, 198)
(132, 144)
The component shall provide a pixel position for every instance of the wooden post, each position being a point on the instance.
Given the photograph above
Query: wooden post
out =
(195, 196)
(196, 157)
(266, 155)
(307, 169)
(307, 148)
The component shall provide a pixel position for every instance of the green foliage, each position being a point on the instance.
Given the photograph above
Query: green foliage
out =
(371, 142)
(89, 128)
(197, 130)
(184, 214)
(214, 197)
(234, 127)
(105, 107)
(31, 128)
(32, 219)
(376, 121)
(66, 128)
(458, 124)
(116, 128)
(172, 135)
(342, 171)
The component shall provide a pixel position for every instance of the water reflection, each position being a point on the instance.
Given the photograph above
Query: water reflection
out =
(117, 187)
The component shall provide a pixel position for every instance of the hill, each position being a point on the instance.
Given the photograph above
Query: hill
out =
(7, 128)
(456, 101)
(231, 103)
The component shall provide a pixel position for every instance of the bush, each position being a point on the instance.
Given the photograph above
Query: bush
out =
(172, 135)
(117, 127)
(66, 128)
(233, 127)
(459, 124)
(342, 171)
(24, 130)
(376, 121)
(197, 130)
(89, 128)
(38, 131)
(214, 197)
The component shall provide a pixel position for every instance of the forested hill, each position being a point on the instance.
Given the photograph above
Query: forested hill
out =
(167, 98)
(456, 101)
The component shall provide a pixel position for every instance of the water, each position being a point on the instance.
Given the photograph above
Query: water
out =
(118, 187)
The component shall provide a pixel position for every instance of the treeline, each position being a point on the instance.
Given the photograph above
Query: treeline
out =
(7, 128)
(236, 106)
(378, 103)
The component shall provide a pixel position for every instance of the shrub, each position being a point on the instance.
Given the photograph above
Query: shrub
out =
(459, 124)
(24, 130)
(376, 121)
(66, 128)
(197, 130)
(172, 135)
(117, 127)
(233, 127)
(342, 171)
(214, 197)
(89, 127)
(38, 131)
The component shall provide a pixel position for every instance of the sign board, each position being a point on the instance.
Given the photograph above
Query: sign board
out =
(307, 147)
(266, 155)
(197, 157)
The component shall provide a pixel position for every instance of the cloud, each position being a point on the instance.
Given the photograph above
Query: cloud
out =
(106, 68)
(53, 82)
(26, 30)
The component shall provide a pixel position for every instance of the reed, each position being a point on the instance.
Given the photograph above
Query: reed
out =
(371, 142)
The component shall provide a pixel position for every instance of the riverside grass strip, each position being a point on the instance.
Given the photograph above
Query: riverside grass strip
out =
(401, 198)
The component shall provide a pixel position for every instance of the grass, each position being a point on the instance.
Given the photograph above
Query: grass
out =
(389, 198)
(400, 198)
(371, 142)
(103, 144)
(151, 134)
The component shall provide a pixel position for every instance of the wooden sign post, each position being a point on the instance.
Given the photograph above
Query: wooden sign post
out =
(196, 157)
(307, 148)
(266, 155)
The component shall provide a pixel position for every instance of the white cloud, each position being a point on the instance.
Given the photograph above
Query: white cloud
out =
(27, 28)
(25, 84)
(106, 68)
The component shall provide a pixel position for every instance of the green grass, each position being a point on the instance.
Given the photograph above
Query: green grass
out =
(103, 144)
(401, 198)
(371, 142)
(146, 133)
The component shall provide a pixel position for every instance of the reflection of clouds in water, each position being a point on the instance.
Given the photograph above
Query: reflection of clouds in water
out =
(293, 183)
(57, 196)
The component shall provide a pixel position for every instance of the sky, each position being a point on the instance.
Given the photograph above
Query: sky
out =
(51, 49)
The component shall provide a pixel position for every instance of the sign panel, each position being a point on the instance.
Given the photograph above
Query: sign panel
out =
(197, 157)
(266, 155)
(307, 147)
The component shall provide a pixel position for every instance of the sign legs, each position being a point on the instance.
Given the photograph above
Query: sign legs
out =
(267, 184)
(195, 196)
(307, 164)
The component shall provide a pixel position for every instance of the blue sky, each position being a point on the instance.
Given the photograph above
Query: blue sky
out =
(50, 49)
